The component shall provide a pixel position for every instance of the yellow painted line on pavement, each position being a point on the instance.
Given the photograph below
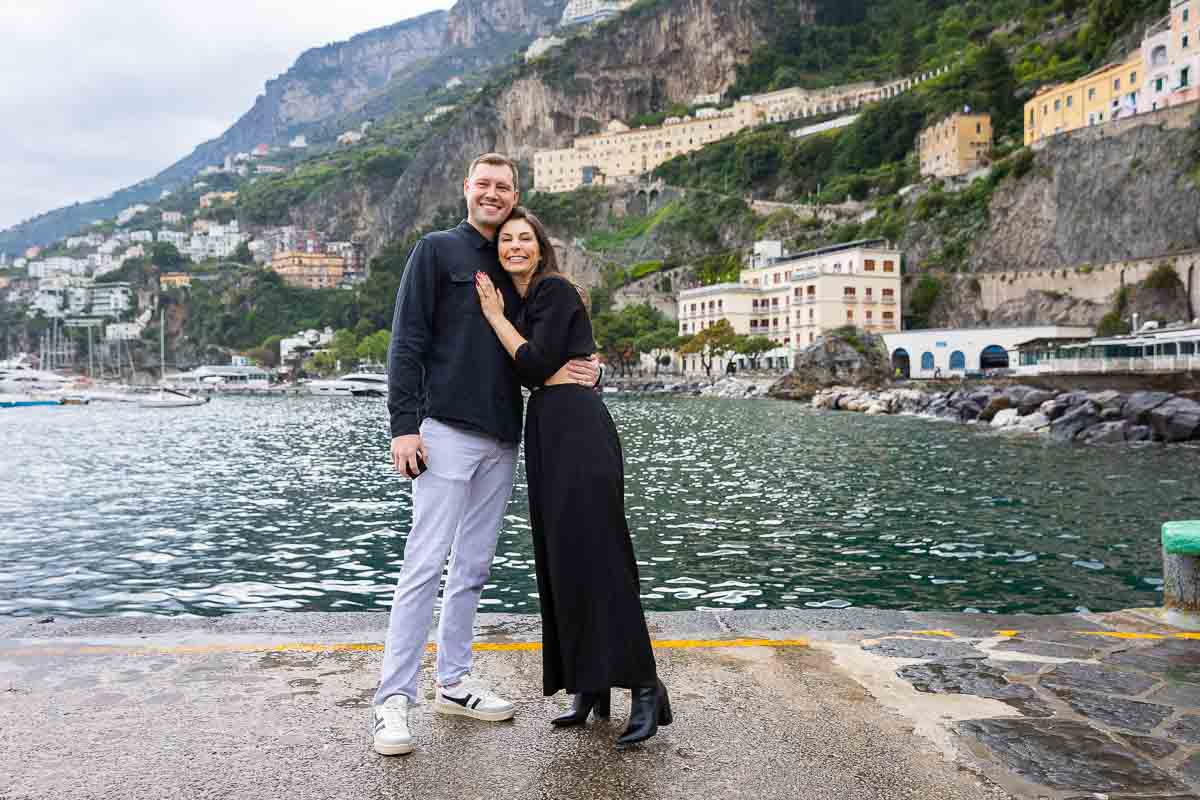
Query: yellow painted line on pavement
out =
(947, 634)
(363, 647)
(1008, 634)
(1123, 634)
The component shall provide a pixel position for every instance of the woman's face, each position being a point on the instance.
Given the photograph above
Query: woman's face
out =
(518, 246)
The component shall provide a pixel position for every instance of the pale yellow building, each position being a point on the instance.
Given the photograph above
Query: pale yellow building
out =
(309, 270)
(958, 144)
(624, 152)
(1103, 95)
(174, 280)
(793, 299)
(217, 198)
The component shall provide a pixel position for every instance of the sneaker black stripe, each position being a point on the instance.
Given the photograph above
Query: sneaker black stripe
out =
(462, 701)
(475, 704)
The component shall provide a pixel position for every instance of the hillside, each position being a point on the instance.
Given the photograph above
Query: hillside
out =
(372, 74)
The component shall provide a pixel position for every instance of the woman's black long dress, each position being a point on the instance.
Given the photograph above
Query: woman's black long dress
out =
(593, 629)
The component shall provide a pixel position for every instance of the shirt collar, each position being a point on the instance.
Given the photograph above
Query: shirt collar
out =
(475, 237)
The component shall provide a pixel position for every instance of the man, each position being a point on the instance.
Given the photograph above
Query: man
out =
(455, 408)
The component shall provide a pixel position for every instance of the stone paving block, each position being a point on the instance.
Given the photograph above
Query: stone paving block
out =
(1098, 679)
(1148, 745)
(1173, 660)
(1185, 729)
(1183, 695)
(974, 678)
(940, 649)
(1132, 715)
(1048, 649)
(1017, 667)
(1065, 755)
(1137, 797)
(1190, 768)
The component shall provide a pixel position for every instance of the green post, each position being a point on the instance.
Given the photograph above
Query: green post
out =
(1181, 568)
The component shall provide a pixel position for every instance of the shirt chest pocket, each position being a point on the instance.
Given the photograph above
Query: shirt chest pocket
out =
(461, 296)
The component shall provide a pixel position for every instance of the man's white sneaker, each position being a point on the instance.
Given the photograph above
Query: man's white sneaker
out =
(472, 700)
(392, 737)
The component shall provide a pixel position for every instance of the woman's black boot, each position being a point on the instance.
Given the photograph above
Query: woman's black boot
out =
(596, 703)
(650, 708)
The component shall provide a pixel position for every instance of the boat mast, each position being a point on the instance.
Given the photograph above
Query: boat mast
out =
(162, 346)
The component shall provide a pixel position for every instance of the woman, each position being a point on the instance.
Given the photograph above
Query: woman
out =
(593, 629)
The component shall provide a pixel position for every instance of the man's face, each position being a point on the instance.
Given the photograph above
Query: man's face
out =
(490, 195)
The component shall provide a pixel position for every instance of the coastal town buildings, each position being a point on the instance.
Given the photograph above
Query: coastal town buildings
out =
(955, 352)
(350, 137)
(172, 217)
(622, 153)
(211, 199)
(955, 145)
(440, 111)
(309, 270)
(177, 238)
(174, 280)
(125, 216)
(793, 299)
(1100, 96)
(304, 343)
(585, 12)
(1161, 73)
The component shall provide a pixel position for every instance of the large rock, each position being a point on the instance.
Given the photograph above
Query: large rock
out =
(1072, 423)
(1005, 418)
(969, 411)
(1035, 422)
(835, 359)
(996, 404)
(1139, 405)
(1032, 401)
(1105, 433)
(1177, 420)
(1108, 400)
(1053, 409)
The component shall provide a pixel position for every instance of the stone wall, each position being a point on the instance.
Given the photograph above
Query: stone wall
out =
(1173, 118)
(1096, 283)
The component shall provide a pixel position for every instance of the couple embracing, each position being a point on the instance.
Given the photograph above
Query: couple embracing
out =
(483, 309)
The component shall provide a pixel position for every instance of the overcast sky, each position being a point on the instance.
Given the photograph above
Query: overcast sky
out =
(99, 94)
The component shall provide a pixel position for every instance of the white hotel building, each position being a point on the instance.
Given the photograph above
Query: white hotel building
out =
(793, 299)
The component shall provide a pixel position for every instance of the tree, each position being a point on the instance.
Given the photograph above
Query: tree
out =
(619, 334)
(711, 344)
(658, 343)
(374, 348)
(166, 256)
(268, 352)
(363, 329)
(322, 363)
(242, 254)
(752, 347)
(344, 348)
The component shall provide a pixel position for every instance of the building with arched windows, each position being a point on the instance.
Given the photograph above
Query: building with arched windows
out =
(953, 352)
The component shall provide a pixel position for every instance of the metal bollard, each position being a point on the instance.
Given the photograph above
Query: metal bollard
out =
(1181, 572)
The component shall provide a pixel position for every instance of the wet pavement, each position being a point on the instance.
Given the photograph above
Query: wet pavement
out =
(814, 704)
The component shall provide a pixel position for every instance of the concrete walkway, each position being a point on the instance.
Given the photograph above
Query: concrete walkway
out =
(815, 704)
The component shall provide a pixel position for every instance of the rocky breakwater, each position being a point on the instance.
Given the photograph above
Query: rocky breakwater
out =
(729, 387)
(1093, 418)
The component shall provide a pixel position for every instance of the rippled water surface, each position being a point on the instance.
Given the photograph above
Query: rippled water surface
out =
(289, 503)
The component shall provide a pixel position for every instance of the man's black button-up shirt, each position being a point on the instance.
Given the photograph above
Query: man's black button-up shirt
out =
(445, 361)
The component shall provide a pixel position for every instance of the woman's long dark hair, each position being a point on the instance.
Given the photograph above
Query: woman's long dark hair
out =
(547, 258)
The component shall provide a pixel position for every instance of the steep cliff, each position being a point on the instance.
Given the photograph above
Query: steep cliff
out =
(1096, 199)
(653, 54)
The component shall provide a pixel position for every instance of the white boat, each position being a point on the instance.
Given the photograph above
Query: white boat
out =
(356, 384)
(19, 377)
(169, 398)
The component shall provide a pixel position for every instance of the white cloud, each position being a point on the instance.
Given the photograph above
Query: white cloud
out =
(99, 94)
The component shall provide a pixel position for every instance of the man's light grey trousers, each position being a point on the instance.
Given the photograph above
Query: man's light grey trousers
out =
(458, 505)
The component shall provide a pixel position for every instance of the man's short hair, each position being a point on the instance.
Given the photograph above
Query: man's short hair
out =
(496, 160)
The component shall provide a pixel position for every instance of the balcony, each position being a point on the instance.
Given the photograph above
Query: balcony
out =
(888, 301)
(849, 298)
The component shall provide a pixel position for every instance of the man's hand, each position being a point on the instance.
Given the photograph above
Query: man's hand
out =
(404, 454)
